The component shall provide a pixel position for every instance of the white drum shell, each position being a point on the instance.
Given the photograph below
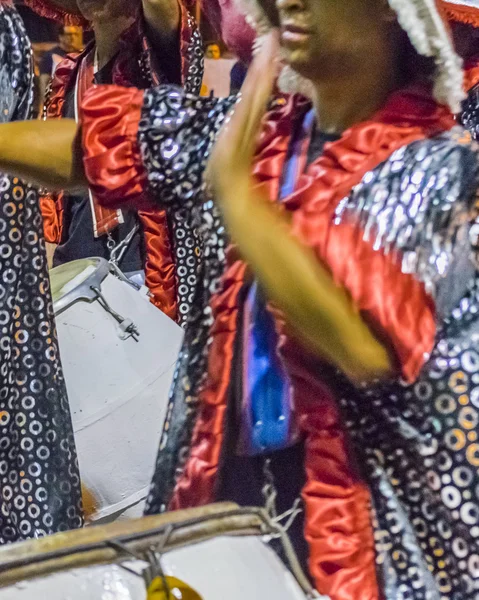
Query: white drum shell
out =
(118, 392)
(232, 568)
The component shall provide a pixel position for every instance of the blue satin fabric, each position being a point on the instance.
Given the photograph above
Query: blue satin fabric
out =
(267, 406)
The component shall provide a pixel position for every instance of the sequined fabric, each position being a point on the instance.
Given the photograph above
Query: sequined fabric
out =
(469, 118)
(470, 112)
(176, 134)
(39, 479)
(417, 444)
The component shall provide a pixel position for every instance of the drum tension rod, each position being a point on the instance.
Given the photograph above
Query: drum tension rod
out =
(127, 326)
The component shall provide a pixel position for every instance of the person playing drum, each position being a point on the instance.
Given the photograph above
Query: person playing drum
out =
(356, 387)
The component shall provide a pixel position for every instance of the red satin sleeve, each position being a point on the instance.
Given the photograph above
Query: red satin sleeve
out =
(395, 305)
(112, 160)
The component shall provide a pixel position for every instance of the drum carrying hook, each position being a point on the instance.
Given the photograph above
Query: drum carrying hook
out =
(127, 327)
(155, 568)
(117, 251)
(151, 556)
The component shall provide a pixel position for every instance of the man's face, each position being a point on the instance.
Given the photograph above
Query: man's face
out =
(71, 40)
(213, 51)
(324, 37)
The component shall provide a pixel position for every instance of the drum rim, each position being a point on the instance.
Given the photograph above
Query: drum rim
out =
(175, 530)
(83, 291)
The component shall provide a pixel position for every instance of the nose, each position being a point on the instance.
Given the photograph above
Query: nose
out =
(289, 6)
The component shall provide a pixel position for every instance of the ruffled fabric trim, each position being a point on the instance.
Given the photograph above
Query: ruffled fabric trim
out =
(160, 268)
(112, 157)
(114, 168)
(471, 73)
(338, 526)
(51, 208)
(460, 13)
(55, 13)
(197, 484)
(395, 304)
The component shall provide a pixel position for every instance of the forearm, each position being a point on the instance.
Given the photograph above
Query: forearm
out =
(46, 153)
(320, 312)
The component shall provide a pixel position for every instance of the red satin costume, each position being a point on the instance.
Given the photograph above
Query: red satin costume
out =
(160, 271)
(396, 304)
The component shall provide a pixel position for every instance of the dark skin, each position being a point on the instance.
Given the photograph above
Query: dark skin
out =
(366, 50)
(350, 52)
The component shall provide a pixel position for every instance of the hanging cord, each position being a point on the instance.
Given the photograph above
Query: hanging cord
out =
(280, 531)
(270, 494)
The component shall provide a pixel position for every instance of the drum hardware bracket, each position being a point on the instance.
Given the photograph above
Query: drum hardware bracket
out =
(117, 251)
(117, 272)
(127, 327)
(151, 556)
(267, 528)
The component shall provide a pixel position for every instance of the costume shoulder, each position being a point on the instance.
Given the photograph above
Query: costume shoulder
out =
(176, 134)
(144, 147)
(420, 205)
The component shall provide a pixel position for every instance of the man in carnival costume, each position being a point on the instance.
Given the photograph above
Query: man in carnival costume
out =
(360, 394)
(136, 44)
(39, 479)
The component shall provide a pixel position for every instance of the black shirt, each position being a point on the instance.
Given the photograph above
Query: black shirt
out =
(46, 64)
(78, 238)
(317, 142)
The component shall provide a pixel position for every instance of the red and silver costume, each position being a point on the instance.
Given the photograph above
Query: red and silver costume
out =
(170, 278)
(390, 478)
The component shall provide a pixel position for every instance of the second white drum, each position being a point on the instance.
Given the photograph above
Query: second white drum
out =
(118, 382)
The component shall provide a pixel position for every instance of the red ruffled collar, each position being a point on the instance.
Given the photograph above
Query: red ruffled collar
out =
(409, 115)
(471, 73)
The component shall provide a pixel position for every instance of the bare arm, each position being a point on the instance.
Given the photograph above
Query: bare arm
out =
(47, 153)
(320, 312)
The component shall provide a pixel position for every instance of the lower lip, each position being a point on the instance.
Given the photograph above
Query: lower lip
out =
(294, 36)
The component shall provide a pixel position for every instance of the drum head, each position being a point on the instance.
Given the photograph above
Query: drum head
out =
(73, 281)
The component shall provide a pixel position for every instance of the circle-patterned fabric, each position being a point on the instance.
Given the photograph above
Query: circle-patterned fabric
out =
(39, 478)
